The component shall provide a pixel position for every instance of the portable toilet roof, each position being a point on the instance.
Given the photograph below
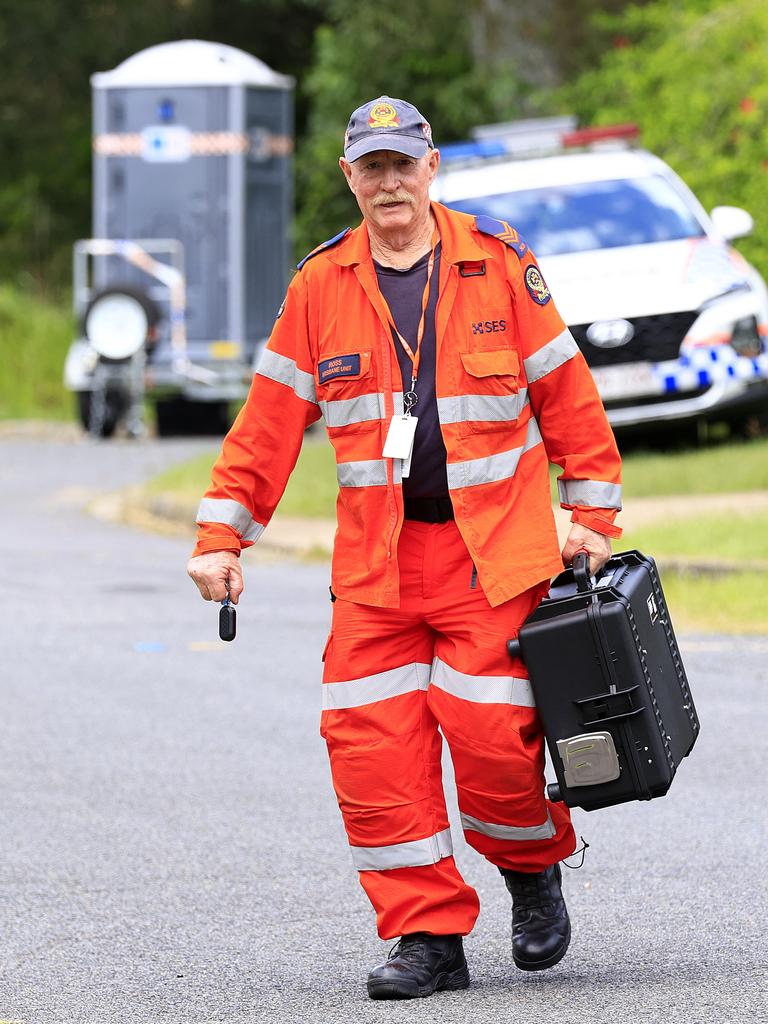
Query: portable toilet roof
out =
(190, 62)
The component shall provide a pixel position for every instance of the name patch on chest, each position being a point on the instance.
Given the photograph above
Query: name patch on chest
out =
(340, 366)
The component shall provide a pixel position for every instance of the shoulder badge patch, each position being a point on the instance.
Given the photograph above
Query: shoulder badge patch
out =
(536, 285)
(501, 230)
(323, 246)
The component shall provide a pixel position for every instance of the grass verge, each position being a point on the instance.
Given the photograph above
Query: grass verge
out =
(732, 537)
(312, 488)
(34, 338)
(311, 491)
(717, 469)
(733, 603)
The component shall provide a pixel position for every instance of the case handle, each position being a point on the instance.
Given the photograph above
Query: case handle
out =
(580, 566)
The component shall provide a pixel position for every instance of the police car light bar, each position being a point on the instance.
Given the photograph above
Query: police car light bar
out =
(533, 137)
(586, 136)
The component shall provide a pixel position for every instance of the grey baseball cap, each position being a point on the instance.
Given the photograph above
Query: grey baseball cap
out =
(387, 123)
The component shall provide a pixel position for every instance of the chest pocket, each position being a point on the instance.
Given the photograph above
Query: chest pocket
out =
(346, 391)
(492, 398)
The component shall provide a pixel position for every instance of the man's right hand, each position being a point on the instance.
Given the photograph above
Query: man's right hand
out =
(213, 571)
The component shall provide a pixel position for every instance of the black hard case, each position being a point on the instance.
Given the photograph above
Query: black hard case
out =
(606, 671)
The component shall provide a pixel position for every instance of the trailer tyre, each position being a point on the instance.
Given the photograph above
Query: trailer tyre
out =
(114, 407)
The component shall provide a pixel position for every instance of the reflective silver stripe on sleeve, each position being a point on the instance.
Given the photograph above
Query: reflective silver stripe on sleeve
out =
(550, 356)
(285, 371)
(481, 408)
(416, 854)
(370, 473)
(492, 467)
(595, 493)
(344, 411)
(354, 693)
(224, 510)
(515, 832)
(483, 689)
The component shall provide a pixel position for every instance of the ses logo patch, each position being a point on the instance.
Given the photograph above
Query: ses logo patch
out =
(489, 326)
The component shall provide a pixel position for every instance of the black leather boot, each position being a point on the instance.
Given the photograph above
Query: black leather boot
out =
(541, 929)
(418, 965)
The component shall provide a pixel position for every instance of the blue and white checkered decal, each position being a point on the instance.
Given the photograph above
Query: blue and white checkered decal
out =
(702, 367)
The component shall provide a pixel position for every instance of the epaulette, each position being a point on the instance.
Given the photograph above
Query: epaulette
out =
(323, 246)
(501, 230)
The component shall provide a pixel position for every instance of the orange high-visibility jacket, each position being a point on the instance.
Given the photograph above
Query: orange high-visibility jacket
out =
(513, 393)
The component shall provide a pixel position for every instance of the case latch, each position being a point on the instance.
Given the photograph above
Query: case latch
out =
(589, 759)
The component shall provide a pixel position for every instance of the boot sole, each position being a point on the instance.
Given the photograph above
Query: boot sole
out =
(543, 965)
(443, 983)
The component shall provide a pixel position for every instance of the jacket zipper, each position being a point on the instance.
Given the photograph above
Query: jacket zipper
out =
(389, 410)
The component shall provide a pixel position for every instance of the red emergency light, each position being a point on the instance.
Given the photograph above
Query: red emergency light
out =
(585, 136)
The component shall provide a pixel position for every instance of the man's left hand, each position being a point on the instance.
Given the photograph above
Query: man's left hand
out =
(597, 545)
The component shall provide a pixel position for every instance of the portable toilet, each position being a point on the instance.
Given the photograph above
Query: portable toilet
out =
(192, 160)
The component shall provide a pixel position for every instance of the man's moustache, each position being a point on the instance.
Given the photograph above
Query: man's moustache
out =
(400, 197)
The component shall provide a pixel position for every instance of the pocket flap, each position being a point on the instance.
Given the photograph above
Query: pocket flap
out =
(492, 364)
(346, 366)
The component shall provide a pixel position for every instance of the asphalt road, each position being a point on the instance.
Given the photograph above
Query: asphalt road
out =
(171, 849)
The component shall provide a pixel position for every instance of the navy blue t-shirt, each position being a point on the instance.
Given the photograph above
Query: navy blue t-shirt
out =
(403, 291)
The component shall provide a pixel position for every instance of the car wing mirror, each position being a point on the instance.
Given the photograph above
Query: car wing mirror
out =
(732, 222)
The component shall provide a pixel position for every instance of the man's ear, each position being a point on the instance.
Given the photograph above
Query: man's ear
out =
(434, 163)
(346, 168)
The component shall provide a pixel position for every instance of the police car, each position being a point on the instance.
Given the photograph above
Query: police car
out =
(673, 322)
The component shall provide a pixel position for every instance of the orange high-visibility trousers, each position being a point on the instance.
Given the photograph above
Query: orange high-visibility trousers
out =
(391, 677)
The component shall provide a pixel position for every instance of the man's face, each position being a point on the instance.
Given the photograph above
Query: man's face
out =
(392, 190)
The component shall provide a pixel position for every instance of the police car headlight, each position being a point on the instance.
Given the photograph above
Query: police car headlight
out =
(745, 338)
(117, 325)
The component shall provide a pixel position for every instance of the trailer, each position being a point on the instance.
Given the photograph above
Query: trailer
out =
(192, 201)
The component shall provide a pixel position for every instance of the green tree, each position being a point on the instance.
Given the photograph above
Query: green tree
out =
(49, 49)
(371, 49)
(462, 62)
(692, 75)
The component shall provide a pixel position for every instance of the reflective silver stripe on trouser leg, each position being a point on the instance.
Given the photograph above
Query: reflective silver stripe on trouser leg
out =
(416, 854)
(394, 682)
(518, 833)
(482, 689)
(231, 513)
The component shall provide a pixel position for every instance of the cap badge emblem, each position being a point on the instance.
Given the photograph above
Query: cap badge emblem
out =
(383, 115)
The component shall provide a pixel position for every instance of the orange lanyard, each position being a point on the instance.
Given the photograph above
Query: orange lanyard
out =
(410, 397)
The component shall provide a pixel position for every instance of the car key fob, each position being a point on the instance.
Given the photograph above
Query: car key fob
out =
(227, 620)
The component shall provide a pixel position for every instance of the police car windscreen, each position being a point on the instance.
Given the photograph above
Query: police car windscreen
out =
(591, 215)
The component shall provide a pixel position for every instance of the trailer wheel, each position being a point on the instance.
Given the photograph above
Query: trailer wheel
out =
(179, 417)
(114, 406)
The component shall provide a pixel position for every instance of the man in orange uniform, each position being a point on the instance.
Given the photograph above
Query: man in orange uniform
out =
(448, 382)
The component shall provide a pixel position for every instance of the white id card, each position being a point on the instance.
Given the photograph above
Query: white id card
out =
(399, 442)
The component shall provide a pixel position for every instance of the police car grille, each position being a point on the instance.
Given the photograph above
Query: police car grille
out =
(656, 338)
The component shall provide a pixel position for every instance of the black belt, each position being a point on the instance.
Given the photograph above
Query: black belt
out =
(429, 510)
